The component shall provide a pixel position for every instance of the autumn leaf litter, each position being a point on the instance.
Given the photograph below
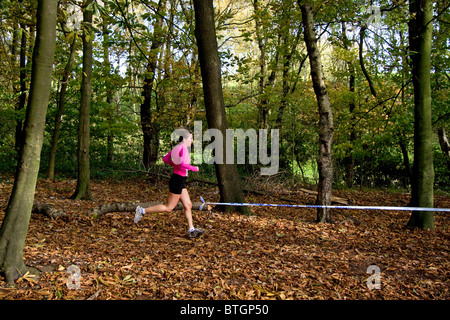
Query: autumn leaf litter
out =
(279, 253)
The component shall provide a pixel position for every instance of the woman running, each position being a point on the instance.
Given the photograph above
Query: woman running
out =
(180, 159)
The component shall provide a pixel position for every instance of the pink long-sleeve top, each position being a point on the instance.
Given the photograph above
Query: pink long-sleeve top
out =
(180, 159)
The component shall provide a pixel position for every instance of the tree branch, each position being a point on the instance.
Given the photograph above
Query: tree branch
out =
(361, 61)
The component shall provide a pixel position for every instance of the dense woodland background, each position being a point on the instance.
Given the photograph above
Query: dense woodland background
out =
(146, 74)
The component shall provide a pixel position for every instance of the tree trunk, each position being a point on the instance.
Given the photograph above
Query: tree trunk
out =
(262, 112)
(264, 87)
(15, 224)
(404, 149)
(287, 56)
(59, 113)
(82, 191)
(205, 33)
(349, 159)
(420, 40)
(23, 86)
(403, 141)
(109, 92)
(149, 128)
(325, 165)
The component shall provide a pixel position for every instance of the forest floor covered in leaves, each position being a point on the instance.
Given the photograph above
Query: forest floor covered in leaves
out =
(278, 253)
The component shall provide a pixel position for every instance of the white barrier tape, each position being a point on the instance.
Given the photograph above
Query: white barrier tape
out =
(327, 207)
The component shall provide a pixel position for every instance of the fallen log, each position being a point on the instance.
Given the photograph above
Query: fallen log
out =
(333, 198)
(131, 207)
(47, 209)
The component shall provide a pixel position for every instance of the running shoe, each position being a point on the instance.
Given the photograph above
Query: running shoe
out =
(139, 213)
(196, 233)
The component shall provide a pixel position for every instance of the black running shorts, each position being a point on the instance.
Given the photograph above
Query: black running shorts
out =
(177, 183)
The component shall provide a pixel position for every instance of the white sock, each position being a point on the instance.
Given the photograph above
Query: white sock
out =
(191, 229)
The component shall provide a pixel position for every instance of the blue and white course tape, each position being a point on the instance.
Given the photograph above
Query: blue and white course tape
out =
(327, 207)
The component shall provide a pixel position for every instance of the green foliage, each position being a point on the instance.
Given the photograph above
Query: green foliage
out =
(368, 129)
